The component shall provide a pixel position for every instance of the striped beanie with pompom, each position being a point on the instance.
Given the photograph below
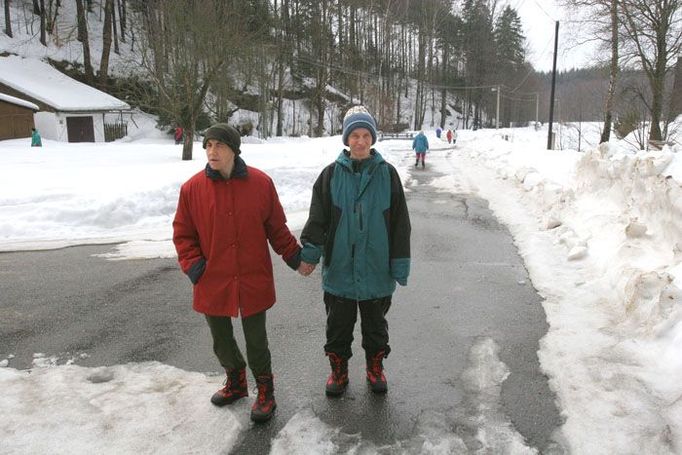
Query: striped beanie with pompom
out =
(358, 117)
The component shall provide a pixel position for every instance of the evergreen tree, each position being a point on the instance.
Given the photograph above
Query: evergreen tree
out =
(510, 59)
(479, 53)
(509, 40)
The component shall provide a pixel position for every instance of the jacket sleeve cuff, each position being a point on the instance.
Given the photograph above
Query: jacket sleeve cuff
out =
(400, 270)
(196, 270)
(294, 261)
(311, 253)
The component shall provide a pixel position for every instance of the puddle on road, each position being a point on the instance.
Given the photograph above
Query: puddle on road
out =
(479, 427)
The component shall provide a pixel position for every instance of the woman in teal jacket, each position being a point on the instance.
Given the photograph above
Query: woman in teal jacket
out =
(420, 145)
(35, 138)
(359, 225)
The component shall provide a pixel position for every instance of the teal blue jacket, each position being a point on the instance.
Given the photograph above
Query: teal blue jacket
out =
(35, 139)
(360, 225)
(420, 144)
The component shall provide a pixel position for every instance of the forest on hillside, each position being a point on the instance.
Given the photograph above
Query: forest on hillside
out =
(192, 62)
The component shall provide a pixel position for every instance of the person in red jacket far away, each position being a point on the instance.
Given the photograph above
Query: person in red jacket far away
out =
(225, 214)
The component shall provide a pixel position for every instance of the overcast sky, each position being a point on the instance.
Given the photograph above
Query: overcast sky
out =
(538, 18)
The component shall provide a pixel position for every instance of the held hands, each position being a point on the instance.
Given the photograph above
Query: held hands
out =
(306, 269)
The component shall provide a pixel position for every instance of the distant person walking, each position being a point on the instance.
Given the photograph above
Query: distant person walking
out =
(439, 131)
(449, 136)
(360, 227)
(178, 135)
(35, 138)
(420, 145)
(226, 216)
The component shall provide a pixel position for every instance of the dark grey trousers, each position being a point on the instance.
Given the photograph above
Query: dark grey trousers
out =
(342, 314)
(227, 351)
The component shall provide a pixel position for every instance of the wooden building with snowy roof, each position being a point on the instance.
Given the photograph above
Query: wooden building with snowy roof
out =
(67, 110)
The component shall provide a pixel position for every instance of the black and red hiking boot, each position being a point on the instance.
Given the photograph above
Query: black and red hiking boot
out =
(338, 379)
(235, 388)
(265, 405)
(375, 372)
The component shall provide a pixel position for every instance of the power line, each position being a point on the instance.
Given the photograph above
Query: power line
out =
(460, 87)
(379, 76)
(512, 98)
(518, 5)
(543, 10)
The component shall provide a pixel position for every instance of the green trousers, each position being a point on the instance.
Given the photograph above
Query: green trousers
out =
(227, 351)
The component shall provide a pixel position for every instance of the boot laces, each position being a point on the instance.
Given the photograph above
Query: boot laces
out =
(337, 364)
(337, 367)
(228, 384)
(376, 367)
(262, 392)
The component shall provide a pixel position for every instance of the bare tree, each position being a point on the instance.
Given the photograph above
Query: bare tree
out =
(426, 16)
(613, 73)
(282, 51)
(114, 28)
(106, 44)
(43, 35)
(8, 22)
(83, 38)
(479, 52)
(321, 53)
(381, 53)
(676, 96)
(184, 54)
(122, 18)
(601, 16)
(52, 14)
(653, 34)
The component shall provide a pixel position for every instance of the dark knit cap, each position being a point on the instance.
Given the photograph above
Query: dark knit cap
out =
(358, 117)
(226, 134)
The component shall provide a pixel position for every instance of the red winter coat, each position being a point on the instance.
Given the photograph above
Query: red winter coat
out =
(229, 223)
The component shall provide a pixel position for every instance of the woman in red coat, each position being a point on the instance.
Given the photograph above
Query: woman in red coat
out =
(178, 134)
(225, 218)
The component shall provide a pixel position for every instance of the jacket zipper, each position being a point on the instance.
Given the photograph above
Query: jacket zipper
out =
(358, 207)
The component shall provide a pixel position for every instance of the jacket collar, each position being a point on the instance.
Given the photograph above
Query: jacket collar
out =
(345, 160)
(239, 170)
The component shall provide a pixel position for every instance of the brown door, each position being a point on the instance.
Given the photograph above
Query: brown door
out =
(6, 130)
(23, 125)
(80, 129)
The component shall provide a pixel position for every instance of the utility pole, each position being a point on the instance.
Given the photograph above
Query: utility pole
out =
(551, 101)
(497, 110)
(537, 107)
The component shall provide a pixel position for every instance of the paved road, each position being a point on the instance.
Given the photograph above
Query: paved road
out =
(468, 289)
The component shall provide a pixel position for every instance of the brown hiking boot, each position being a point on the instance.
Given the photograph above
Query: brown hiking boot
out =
(375, 372)
(265, 404)
(235, 388)
(338, 379)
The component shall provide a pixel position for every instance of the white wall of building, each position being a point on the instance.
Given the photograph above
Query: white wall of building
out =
(47, 125)
(53, 125)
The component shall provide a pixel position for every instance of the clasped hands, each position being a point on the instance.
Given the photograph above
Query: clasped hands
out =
(306, 269)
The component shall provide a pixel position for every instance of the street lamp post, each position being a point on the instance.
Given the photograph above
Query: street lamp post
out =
(551, 97)
(497, 109)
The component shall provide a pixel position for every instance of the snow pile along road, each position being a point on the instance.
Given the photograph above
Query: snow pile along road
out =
(603, 246)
